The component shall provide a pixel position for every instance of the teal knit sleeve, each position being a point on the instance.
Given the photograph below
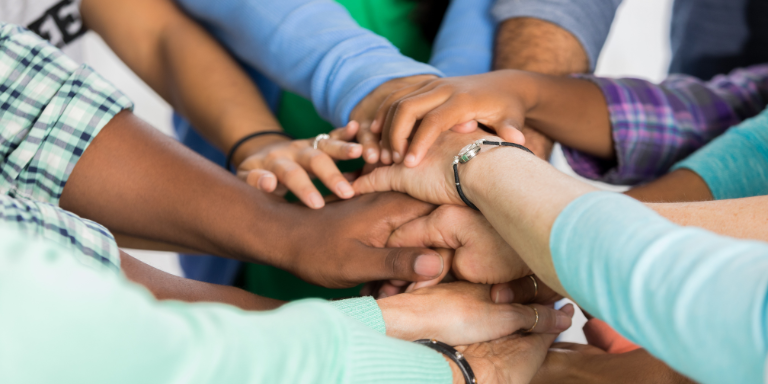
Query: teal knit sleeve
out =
(735, 164)
(364, 309)
(62, 321)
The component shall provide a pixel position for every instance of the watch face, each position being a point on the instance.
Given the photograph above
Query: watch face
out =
(468, 152)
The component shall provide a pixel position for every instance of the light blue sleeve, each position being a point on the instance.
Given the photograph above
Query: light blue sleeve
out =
(464, 43)
(588, 20)
(694, 299)
(65, 322)
(735, 164)
(311, 47)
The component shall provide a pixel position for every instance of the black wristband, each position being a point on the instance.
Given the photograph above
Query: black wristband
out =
(240, 142)
(456, 166)
(452, 354)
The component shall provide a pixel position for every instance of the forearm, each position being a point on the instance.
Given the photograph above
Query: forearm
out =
(165, 286)
(539, 46)
(138, 182)
(522, 212)
(186, 66)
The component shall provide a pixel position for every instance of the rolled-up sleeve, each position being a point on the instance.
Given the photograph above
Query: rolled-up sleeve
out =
(694, 299)
(51, 110)
(310, 47)
(654, 126)
(588, 20)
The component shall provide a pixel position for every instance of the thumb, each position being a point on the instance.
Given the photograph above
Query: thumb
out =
(511, 134)
(408, 264)
(381, 179)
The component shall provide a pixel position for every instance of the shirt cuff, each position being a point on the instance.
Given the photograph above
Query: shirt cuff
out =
(735, 165)
(588, 21)
(365, 310)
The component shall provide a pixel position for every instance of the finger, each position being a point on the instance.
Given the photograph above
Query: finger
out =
(381, 113)
(346, 133)
(549, 319)
(523, 290)
(370, 143)
(260, 178)
(420, 232)
(447, 255)
(379, 180)
(409, 264)
(468, 127)
(436, 121)
(322, 166)
(404, 115)
(297, 180)
(341, 150)
(511, 134)
(388, 290)
(391, 105)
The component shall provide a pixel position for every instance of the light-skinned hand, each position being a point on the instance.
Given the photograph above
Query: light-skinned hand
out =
(462, 313)
(293, 164)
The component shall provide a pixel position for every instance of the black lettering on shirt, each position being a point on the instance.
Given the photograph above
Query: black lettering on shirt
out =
(61, 24)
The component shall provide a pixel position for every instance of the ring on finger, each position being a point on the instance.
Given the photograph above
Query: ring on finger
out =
(319, 138)
(535, 321)
(535, 286)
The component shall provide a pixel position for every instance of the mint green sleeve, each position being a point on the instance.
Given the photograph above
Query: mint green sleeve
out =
(363, 309)
(735, 164)
(692, 298)
(61, 321)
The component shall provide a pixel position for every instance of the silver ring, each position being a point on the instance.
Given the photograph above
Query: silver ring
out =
(320, 137)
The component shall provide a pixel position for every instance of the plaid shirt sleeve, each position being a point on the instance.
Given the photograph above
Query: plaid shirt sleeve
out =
(655, 126)
(91, 242)
(50, 111)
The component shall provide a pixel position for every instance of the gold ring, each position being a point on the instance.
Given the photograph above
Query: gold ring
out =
(535, 322)
(535, 286)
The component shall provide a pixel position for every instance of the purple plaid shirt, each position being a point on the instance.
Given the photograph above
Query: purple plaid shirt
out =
(655, 126)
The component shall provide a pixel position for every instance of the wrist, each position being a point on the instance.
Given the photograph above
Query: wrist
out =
(254, 145)
(458, 376)
(396, 317)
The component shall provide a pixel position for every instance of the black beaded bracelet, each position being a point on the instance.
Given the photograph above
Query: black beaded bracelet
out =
(240, 142)
(452, 354)
(468, 153)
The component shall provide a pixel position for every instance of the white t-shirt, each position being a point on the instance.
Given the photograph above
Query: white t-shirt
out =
(57, 21)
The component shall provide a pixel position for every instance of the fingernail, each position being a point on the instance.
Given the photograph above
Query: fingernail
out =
(350, 147)
(562, 321)
(504, 296)
(264, 181)
(370, 155)
(428, 265)
(316, 201)
(383, 295)
(396, 157)
(344, 189)
(410, 160)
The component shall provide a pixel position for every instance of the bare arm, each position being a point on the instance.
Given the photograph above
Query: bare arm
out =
(186, 66)
(165, 286)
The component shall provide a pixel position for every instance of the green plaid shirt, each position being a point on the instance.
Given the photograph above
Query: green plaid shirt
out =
(50, 111)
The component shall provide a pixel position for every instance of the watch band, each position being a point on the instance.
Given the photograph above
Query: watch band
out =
(452, 354)
(468, 153)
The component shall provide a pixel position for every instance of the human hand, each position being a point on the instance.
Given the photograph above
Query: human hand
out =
(525, 290)
(293, 163)
(499, 100)
(512, 359)
(462, 313)
(481, 254)
(581, 363)
(432, 180)
(341, 245)
(365, 113)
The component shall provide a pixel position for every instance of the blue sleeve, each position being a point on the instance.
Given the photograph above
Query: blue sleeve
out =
(694, 299)
(464, 43)
(735, 164)
(588, 20)
(310, 47)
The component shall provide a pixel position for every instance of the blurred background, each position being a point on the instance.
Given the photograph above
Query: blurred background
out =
(638, 46)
